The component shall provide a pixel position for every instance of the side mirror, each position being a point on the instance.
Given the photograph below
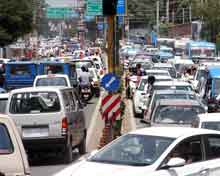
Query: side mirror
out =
(175, 162)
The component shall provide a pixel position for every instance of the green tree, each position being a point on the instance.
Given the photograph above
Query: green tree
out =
(16, 20)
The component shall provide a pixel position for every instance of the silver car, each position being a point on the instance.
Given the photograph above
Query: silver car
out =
(48, 119)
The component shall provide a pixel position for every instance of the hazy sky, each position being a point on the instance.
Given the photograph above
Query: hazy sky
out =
(61, 3)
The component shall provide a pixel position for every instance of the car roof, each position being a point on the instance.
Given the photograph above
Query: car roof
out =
(173, 132)
(40, 89)
(163, 65)
(172, 83)
(156, 71)
(177, 102)
(51, 76)
(215, 72)
(159, 77)
(173, 91)
(4, 95)
(209, 117)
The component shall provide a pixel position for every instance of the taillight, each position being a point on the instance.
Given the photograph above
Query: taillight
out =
(101, 72)
(64, 129)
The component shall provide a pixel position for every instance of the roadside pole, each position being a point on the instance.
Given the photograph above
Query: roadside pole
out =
(110, 40)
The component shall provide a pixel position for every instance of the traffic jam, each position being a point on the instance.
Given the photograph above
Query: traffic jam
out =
(109, 88)
(174, 96)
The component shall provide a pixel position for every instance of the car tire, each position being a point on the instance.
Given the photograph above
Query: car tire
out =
(68, 154)
(82, 147)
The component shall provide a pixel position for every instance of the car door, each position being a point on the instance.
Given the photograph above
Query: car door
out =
(212, 155)
(192, 151)
(70, 110)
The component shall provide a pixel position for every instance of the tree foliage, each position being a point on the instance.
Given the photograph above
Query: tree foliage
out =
(16, 20)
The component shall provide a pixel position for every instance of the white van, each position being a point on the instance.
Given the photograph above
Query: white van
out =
(48, 119)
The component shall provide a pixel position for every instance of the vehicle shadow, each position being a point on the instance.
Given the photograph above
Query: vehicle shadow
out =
(47, 159)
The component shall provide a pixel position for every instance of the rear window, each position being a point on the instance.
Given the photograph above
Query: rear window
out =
(53, 81)
(53, 69)
(17, 70)
(6, 146)
(34, 102)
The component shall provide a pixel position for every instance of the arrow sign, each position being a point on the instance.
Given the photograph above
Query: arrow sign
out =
(110, 82)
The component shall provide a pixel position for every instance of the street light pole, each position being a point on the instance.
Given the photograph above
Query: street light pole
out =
(158, 17)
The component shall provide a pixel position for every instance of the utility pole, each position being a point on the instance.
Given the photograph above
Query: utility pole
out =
(168, 11)
(183, 10)
(110, 39)
(158, 17)
(190, 13)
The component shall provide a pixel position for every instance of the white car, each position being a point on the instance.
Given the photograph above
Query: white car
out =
(208, 121)
(3, 102)
(52, 80)
(154, 151)
(166, 66)
(139, 95)
(13, 160)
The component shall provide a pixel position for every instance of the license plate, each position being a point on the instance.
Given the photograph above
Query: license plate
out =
(35, 132)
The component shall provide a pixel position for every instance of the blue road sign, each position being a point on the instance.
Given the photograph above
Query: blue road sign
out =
(110, 82)
(121, 10)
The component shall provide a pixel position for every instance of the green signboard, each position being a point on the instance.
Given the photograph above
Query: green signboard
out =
(59, 13)
(93, 7)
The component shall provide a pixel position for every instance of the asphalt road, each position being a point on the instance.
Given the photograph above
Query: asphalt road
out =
(51, 164)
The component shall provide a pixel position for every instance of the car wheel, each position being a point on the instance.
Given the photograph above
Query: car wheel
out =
(68, 154)
(82, 147)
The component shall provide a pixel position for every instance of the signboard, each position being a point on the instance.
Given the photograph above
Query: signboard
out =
(121, 7)
(110, 82)
(110, 108)
(94, 8)
(61, 13)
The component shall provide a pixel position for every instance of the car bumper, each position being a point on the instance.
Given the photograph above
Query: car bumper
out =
(45, 144)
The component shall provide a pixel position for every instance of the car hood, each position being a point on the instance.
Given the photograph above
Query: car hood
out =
(85, 168)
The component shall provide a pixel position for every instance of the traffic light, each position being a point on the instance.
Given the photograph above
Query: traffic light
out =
(109, 7)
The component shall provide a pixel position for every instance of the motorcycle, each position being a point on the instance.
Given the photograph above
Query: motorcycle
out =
(86, 92)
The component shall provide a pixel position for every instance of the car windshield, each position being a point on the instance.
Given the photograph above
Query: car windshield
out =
(134, 150)
(53, 81)
(211, 125)
(177, 114)
(6, 146)
(86, 64)
(3, 103)
(34, 102)
(216, 86)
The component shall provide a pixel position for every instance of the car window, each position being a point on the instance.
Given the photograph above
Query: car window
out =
(190, 150)
(53, 69)
(213, 147)
(135, 150)
(20, 70)
(6, 146)
(69, 101)
(53, 81)
(3, 103)
(34, 102)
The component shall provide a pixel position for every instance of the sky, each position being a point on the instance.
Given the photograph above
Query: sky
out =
(61, 3)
